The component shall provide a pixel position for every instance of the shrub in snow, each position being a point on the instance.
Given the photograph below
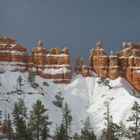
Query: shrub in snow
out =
(29, 92)
(2, 70)
(45, 84)
(31, 77)
(35, 85)
(19, 82)
(58, 99)
(42, 94)
(105, 82)
(8, 92)
(19, 92)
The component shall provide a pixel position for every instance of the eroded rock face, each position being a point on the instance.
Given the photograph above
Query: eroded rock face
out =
(125, 63)
(131, 56)
(51, 64)
(12, 55)
(113, 72)
(99, 60)
(55, 63)
(81, 67)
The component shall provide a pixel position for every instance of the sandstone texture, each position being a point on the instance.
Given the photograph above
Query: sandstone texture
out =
(80, 67)
(50, 64)
(125, 63)
(55, 63)
(12, 55)
(99, 61)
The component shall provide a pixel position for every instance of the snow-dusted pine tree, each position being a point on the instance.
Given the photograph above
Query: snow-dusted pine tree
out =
(134, 130)
(19, 120)
(111, 131)
(58, 99)
(60, 133)
(39, 121)
(87, 131)
(67, 120)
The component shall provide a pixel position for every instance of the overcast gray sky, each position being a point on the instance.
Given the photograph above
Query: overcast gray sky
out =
(77, 24)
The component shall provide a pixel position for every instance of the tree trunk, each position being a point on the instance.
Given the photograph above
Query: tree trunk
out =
(37, 133)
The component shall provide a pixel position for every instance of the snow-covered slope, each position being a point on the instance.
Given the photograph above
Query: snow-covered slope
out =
(83, 95)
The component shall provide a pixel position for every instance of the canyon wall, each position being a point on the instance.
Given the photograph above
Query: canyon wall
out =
(55, 63)
(125, 63)
(13, 56)
(50, 64)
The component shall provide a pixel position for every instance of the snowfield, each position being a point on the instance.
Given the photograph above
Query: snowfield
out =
(84, 96)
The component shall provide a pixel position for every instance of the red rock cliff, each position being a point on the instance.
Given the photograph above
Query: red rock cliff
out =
(125, 63)
(55, 63)
(81, 68)
(129, 59)
(12, 55)
(50, 64)
(99, 60)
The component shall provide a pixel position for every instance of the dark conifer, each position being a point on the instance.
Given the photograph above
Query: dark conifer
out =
(60, 133)
(19, 119)
(58, 99)
(31, 78)
(19, 82)
(111, 132)
(134, 130)
(87, 131)
(38, 122)
(67, 120)
(105, 82)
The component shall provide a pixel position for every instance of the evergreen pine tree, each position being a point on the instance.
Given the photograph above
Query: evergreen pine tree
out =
(111, 132)
(45, 132)
(19, 81)
(31, 77)
(87, 132)
(122, 130)
(134, 130)
(105, 82)
(76, 137)
(19, 119)
(38, 122)
(58, 99)
(108, 119)
(67, 120)
(114, 132)
(60, 133)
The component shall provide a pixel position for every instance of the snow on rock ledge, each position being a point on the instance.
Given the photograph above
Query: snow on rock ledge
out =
(49, 64)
